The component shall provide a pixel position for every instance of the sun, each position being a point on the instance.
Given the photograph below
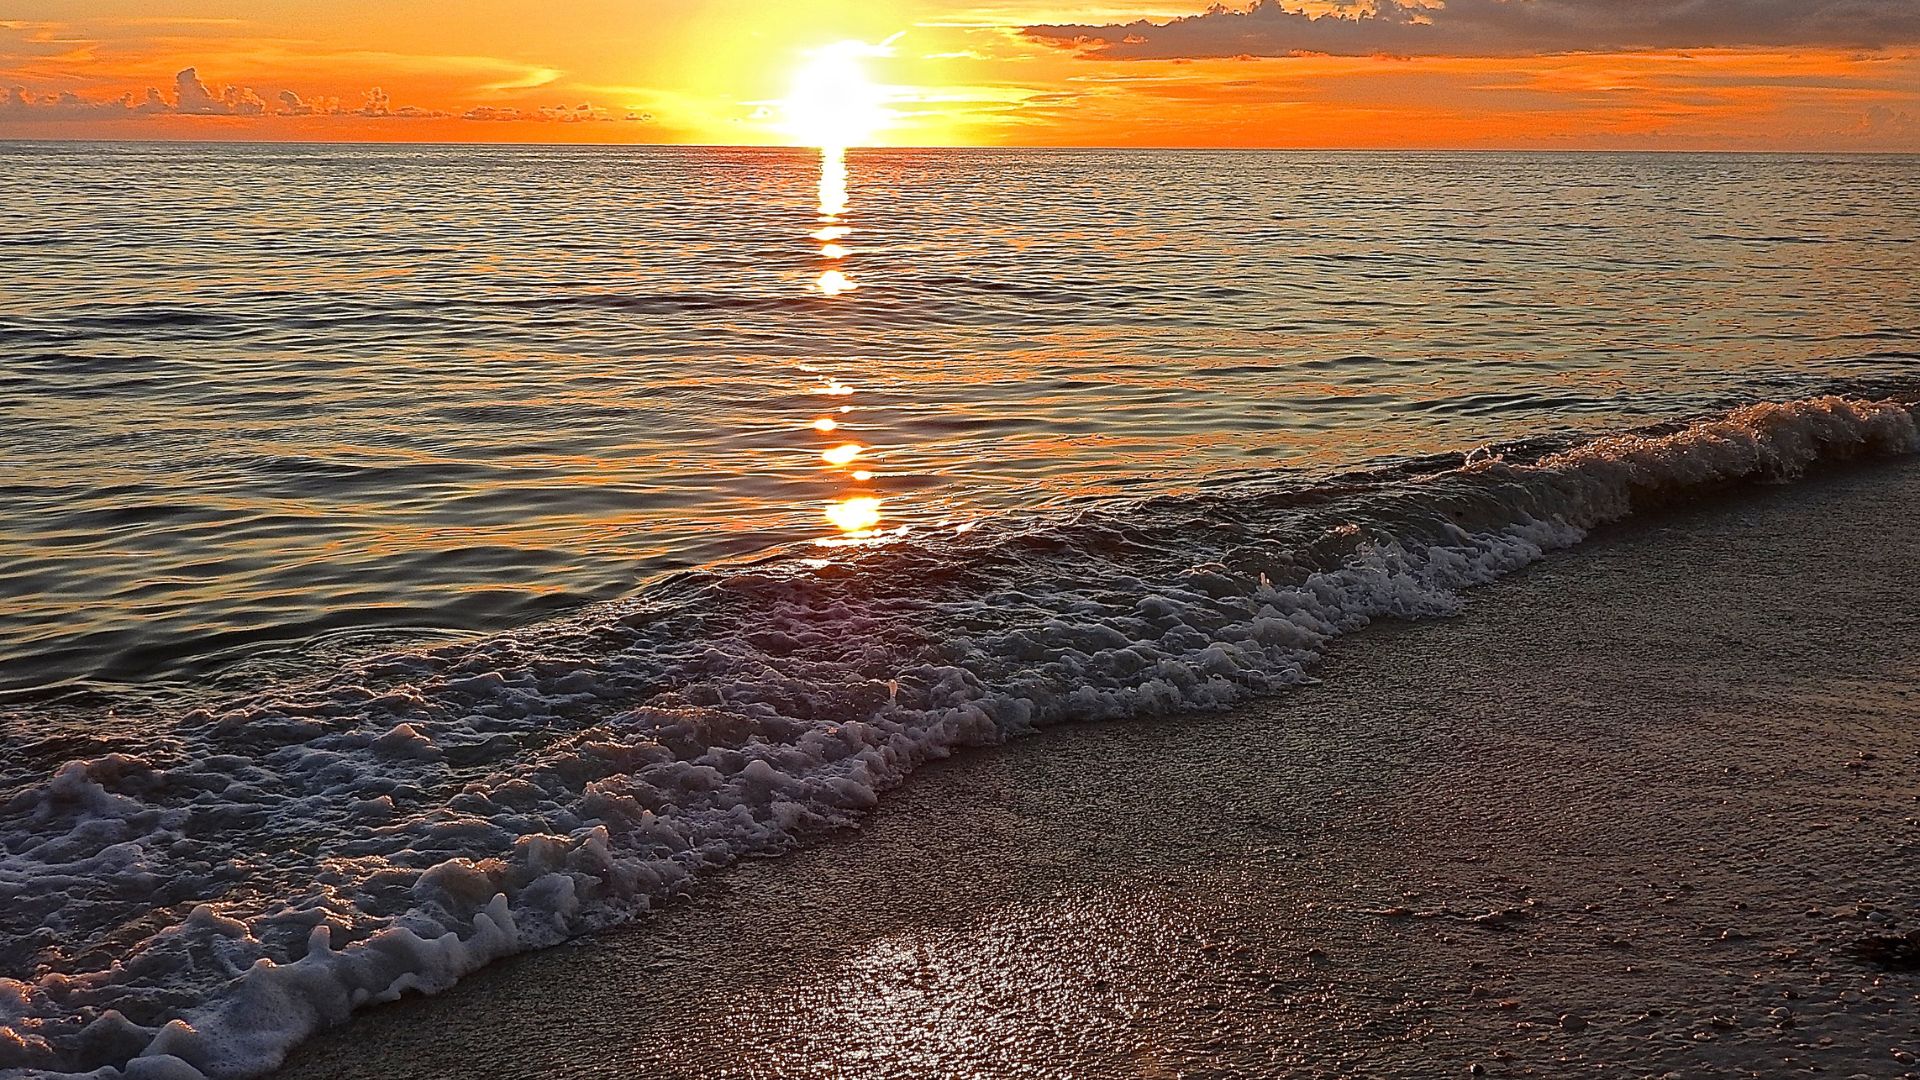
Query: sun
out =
(833, 103)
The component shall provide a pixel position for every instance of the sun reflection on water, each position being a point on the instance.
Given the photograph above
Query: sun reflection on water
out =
(833, 283)
(833, 183)
(842, 454)
(855, 514)
(833, 204)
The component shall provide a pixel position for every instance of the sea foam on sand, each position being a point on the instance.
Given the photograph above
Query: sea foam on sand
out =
(271, 865)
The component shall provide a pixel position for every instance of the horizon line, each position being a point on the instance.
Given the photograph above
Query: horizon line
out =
(1069, 147)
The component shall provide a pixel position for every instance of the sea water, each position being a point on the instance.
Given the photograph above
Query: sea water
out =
(414, 555)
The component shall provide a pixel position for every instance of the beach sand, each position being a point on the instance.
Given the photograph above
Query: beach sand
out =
(1628, 815)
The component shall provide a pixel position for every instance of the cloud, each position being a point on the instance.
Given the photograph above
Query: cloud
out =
(1487, 28)
(532, 79)
(194, 97)
(583, 113)
(18, 102)
(191, 97)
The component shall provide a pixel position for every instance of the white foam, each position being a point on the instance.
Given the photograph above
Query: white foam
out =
(281, 861)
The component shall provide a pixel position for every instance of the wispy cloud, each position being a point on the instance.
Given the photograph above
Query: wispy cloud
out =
(583, 113)
(532, 79)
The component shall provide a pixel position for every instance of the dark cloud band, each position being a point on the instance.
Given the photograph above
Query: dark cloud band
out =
(1500, 28)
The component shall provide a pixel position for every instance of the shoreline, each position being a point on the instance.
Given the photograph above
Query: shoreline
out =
(1632, 811)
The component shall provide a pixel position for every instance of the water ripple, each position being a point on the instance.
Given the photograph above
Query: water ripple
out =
(295, 394)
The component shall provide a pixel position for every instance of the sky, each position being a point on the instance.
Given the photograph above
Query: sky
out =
(1793, 75)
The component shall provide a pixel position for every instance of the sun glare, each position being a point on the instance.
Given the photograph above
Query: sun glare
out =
(833, 102)
(860, 514)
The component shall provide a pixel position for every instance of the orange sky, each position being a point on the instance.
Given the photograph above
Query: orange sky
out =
(709, 71)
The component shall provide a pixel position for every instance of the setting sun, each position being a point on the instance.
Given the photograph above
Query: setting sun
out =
(833, 102)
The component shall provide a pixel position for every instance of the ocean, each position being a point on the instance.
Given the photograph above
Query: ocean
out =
(416, 555)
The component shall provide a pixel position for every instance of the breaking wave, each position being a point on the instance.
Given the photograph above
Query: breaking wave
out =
(261, 869)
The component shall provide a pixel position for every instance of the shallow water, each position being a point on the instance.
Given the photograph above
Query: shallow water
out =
(283, 402)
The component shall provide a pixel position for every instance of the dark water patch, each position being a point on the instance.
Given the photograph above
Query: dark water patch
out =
(146, 317)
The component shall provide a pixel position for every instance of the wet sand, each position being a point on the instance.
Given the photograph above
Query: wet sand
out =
(1629, 815)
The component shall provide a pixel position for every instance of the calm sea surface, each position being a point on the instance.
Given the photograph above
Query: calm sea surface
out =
(257, 401)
